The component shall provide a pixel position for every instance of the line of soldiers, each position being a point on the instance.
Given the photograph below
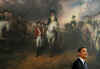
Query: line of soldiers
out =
(15, 25)
(17, 29)
(39, 31)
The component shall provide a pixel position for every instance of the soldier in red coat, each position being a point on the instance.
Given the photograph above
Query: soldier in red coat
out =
(37, 31)
(38, 39)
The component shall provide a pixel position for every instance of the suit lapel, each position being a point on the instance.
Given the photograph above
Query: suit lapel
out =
(81, 63)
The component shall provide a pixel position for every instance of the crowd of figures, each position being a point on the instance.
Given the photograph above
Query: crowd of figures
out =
(45, 34)
(89, 31)
(15, 29)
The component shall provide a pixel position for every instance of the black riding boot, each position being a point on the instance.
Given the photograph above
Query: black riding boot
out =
(37, 51)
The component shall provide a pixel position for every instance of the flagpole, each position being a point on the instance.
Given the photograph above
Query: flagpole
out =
(87, 8)
(80, 10)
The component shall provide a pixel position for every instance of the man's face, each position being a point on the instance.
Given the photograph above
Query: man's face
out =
(83, 53)
(52, 14)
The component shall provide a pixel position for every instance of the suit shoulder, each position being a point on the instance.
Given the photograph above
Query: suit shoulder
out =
(76, 62)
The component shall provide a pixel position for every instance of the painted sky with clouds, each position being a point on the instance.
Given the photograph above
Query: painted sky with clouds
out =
(67, 8)
(79, 8)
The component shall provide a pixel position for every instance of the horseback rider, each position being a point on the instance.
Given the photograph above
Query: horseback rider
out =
(52, 28)
(73, 22)
(52, 15)
(52, 19)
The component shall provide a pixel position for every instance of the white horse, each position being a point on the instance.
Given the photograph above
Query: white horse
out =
(51, 33)
(88, 35)
(2, 25)
(98, 39)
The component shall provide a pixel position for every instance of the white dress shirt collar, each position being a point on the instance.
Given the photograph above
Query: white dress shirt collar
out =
(83, 61)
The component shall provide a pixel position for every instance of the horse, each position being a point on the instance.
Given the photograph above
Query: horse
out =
(52, 33)
(88, 35)
(98, 42)
(4, 28)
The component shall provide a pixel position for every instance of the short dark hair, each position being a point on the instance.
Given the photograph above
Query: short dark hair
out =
(79, 50)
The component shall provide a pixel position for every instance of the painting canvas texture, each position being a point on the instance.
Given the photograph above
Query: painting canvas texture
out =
(47, 34)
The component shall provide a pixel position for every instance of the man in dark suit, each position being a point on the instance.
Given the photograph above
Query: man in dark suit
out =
(80, 63)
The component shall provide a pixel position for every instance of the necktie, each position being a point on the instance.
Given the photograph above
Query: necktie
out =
(85, 65)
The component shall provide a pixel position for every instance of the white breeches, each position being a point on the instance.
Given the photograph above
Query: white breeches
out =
(38, 41)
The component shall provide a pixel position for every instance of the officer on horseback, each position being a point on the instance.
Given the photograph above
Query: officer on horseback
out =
(52, 30)
(73, 22)
(52, 14)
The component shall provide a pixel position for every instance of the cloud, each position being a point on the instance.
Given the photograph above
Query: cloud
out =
(64, 8)
(93, 8)
(32, 8)
(79, 8)
(21, 1)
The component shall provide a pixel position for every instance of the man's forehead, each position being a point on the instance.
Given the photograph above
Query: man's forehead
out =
(84, 49)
